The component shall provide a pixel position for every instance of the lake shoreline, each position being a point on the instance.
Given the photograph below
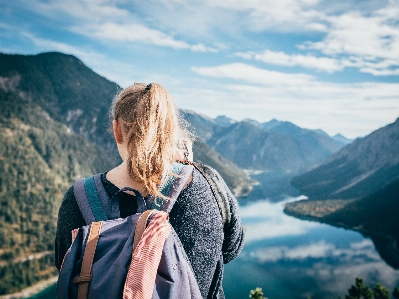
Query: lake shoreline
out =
(32, 290)
(386, 245)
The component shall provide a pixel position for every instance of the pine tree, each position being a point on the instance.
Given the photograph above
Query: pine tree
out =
(359, 291)
(380, 292)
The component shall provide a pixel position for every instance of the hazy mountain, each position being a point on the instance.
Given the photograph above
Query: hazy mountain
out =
(224, 121)
(251, 147)
(342, 139)
(358, 170)
(234, 176)
(273, 145)
(317, 139)
(200, 125)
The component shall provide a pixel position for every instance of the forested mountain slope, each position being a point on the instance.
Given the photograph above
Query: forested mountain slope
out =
(39, 159)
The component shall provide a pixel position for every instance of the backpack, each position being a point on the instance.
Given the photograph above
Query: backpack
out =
(139, 256)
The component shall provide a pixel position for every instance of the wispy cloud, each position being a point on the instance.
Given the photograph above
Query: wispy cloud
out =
(134, 32)
(274, 94)
(251, 74)
(308, 61)
(289, 15)
(369, 43)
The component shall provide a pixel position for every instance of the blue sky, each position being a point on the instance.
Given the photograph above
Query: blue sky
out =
(332, 65)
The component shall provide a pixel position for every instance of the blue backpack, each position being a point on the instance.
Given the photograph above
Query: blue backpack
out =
(106, 255)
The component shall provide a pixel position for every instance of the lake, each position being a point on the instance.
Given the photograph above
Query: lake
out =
(292, 258)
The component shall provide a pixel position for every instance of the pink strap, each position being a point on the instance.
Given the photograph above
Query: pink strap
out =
(140, 280)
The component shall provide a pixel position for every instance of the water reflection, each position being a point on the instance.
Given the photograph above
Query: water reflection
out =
(292, 258)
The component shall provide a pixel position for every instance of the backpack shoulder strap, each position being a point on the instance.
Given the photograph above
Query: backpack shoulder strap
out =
(90, 196)
(218, 189)
(172, 187)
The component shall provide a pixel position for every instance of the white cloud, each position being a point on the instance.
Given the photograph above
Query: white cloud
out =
(136, 33)
(75, 10)
(354, 109)
(248, 73)
(308, 61)
(288, 15)
(130, 33)
(370, 43)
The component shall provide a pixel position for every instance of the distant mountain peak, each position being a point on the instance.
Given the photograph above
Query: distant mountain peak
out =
(251, 121)
(224, 121)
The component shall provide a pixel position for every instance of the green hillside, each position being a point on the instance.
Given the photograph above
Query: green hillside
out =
(66, 89)
(39, 158)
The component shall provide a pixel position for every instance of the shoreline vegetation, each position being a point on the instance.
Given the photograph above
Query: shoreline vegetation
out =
(32, 290)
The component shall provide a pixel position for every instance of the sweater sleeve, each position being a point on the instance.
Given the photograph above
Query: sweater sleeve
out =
(233, 232)
(69, 218)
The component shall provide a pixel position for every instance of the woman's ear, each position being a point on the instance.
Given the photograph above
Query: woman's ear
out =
(117, 132)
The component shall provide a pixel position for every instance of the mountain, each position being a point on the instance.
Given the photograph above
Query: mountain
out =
(199, 124)
(272, 152)
(251, 147)
(358, 188)
(224, 121)
(375, 216)
(233, 176)
(66, 89)
(358, 170)
(342, 139)
(39, 158)
(317, 139)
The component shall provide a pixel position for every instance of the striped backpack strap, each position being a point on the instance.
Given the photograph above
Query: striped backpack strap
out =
(92, 199)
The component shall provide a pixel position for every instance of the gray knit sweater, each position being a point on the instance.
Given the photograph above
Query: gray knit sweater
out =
(195, 218)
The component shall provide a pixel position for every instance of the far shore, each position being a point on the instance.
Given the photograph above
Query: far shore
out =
(32, 290)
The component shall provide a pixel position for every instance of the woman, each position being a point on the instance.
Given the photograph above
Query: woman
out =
(148, 135)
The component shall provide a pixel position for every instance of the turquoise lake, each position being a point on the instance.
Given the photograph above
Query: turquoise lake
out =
(292, 258)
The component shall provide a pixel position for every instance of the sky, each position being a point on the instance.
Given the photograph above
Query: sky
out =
(320, 64)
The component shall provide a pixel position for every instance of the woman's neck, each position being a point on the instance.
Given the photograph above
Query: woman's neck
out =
(119, 176)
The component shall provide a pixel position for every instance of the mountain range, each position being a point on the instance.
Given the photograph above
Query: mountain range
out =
(274, 145)
(272, 152)
(358, 188)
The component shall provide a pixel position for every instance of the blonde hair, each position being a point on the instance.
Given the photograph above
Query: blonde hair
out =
(151, 132)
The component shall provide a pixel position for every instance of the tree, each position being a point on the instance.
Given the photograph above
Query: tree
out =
(256, 294)
(380, 292)
(395, 293)
(359, 291)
